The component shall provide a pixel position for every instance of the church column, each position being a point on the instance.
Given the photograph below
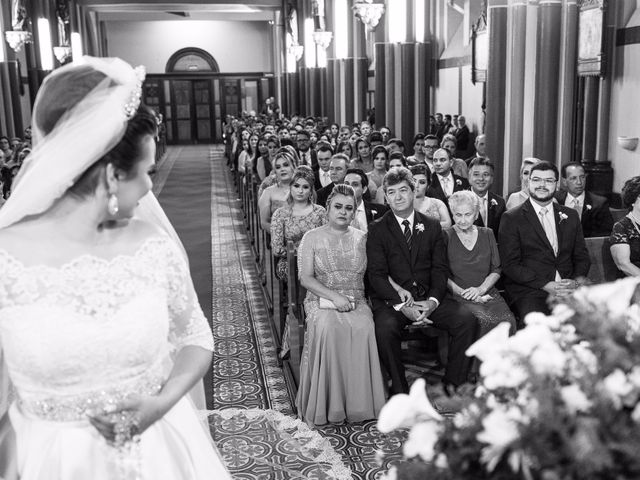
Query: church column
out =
(496, 85)
(279, 57)
(515, 75)
(590, 122)
(567, 100)
(545, 112)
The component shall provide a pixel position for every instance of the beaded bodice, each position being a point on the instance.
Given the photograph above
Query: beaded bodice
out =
(339, 263)
(93, 330)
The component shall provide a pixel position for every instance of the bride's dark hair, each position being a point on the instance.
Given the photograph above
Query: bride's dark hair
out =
(67, 90)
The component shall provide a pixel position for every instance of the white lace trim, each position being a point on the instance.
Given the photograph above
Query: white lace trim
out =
(313, 446)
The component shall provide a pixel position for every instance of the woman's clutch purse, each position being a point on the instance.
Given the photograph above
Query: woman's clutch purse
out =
(327, 304)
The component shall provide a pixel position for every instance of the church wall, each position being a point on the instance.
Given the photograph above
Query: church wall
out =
(236, 46)
(625, 114)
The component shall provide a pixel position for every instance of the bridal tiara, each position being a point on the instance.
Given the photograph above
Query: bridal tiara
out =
(131, 107)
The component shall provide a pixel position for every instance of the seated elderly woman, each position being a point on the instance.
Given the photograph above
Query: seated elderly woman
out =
(431, 207)
(521, 196)
(474, 264)
(625, 238)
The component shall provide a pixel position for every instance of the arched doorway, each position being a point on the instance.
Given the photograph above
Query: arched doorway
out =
(192, 59)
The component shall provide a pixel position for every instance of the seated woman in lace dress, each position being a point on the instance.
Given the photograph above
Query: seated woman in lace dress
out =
(99, 323)
(474, 264)
(340, 376)
(431, 207)
(625, 237)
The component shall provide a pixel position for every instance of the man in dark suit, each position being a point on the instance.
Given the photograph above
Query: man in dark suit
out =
(443, 180)
(542, 248)
(462, 138)
(366, 211)
(324, 152)
(337, 170)
(492, 206)
(592, 209)
(305, 152)
(480, 146)
(409, 248)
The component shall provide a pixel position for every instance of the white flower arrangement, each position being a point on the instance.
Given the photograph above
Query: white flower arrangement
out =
(560, 399)
(494, 203)
(587, 206)
(458, 182)
(563, 216)
(420, 227)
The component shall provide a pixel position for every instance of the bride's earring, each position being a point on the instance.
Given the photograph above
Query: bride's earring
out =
(112, 204)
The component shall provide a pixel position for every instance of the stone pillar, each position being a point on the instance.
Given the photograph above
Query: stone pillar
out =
(496, 85)
(568, 80)
(514, 102)
(590, 120)
(380, 88)
(545, 125)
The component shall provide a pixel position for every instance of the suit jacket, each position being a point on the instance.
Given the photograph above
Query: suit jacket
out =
(423, 270)
(462, 140)
(314, 158)
(596, 217)
(317, 184)
(528, 261)
(434, 190)
(323, 194)
(495, 209)
(374, 211)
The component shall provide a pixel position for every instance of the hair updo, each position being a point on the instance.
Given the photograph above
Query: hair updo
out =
(66, 90)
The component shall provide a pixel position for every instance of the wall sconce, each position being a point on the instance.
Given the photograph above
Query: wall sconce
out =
(628, 143)
(62, 53)
(18, 38)
(296, 50)
(322, 39)
(368, 12)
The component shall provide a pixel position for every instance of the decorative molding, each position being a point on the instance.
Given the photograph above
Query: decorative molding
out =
(183, 52)
(480, 47)
(591, 41)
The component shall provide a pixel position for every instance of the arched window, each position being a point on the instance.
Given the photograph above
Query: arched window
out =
(192, 60)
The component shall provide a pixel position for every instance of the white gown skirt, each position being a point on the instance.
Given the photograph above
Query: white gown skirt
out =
(176, 447)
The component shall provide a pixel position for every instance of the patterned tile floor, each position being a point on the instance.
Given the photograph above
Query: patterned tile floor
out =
(246, 374)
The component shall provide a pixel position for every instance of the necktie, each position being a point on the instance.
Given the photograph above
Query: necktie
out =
(445, 186)
(483, 211)
(577, 207)
(548, 229)
(407, 232)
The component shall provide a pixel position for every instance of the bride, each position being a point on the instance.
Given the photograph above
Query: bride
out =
(100, 328)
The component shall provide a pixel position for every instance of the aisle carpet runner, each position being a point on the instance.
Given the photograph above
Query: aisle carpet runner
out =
(252, 422)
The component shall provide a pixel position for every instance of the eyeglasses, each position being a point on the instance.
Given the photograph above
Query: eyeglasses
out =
(431, 147)
(548, 181)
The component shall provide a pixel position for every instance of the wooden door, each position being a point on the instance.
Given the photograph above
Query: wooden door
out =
(202, 107)
(182, 105)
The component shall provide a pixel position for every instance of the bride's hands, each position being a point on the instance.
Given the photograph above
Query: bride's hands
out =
(128, 418)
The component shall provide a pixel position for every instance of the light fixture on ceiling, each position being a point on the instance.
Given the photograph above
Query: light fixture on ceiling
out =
(368, 12)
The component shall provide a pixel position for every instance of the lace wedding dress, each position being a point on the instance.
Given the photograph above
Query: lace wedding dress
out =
(81, 336)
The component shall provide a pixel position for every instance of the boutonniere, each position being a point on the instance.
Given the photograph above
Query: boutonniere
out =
(588, 207)
(374, 212)
(420, 227)
(563, 217)
(494, 203)
(458, 182)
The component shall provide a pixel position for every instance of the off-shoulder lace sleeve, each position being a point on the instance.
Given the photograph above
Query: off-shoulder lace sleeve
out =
(188, 324)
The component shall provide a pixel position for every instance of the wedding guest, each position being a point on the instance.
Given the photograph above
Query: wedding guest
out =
(366, 211)
(291, 221)
(262, 165)
(625, 237)
(492, 206)
(380, 157)
(337, 170)
(431, 207)
(474, 264)
(542, 247)
(275, 196)
(362, 159)
(408, 248)
(443, 181)
(395, 145)
(396, 159)
(458, 166)
(306, 154)
(322, 175)
(522, 195)
(340, 377)
(345, 147)
(418, 156)
(592, 209)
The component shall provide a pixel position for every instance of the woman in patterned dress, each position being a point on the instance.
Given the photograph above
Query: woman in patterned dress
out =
(431, 207)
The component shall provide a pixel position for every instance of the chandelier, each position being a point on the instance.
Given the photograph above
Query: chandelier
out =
(368, 12)
(322, 38)
(17, 39)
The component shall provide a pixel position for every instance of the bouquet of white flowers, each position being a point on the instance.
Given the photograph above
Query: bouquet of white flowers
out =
(559, 400)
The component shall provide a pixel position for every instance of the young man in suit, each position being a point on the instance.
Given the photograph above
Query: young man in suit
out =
(305, 152)
(409, 248)
(324, 152)
(366, 211)
(492, 206)
(592, 209)
(542, 248)
(443, 180)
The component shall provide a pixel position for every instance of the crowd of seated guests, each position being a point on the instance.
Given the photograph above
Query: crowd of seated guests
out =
(12, 154)
(426, 235)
